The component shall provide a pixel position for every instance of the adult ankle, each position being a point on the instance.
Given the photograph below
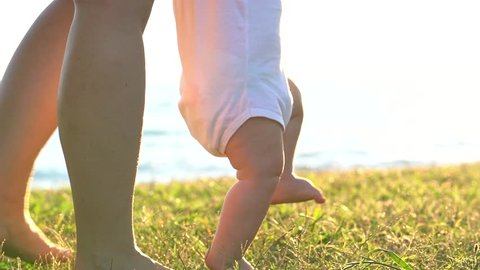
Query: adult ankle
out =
(133, 259)
(11, 214)
(12, 204)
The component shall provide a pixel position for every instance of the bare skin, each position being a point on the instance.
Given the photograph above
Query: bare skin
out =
(264, 176)
(101, 102)
(28, 117)
(259, 165)
(104, 67)
(293, 189)
(29, 86)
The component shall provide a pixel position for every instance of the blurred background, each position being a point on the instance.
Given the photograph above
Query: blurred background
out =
(384, 83)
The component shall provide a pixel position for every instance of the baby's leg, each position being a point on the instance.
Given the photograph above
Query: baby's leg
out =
(256, 152)
(291, 188)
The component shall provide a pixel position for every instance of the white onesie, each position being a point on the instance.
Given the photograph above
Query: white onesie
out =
(231, 59)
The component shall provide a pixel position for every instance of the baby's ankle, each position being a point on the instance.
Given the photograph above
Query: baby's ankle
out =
(212, 262)
(215, 262)
(286, 176)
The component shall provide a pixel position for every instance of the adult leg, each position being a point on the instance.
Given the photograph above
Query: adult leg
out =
(100, 120)
(292, 188)
(256, 152)
(28, 117)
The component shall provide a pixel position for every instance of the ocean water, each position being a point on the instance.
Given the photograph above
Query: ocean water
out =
(396, 93)
(347, 125)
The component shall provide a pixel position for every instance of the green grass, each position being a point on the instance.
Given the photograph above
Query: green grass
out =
(422, 218)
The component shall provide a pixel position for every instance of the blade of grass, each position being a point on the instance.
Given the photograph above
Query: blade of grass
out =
(395, 258)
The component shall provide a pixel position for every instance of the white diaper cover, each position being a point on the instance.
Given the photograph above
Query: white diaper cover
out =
(231, 59)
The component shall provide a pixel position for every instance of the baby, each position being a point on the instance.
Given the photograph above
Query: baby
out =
(237, 103)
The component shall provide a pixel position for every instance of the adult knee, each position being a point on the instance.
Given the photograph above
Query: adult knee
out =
(131, 12)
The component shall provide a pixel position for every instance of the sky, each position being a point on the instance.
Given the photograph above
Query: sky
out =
(413, 64)
(323, 37)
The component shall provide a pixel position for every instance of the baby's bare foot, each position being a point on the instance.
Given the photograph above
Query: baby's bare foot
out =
(20, 237)
(216, 262)
(292, 189)
(243, 264)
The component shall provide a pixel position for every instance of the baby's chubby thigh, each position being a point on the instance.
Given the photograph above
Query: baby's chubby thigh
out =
(256, 151)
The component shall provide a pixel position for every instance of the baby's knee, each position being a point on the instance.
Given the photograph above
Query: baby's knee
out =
(265, 171)
(256, 151)
(271, 166)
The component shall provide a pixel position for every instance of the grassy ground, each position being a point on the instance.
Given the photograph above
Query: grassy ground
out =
(422, 218)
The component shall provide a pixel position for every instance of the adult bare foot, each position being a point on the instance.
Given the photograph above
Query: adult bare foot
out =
(121, 261)
(20, 237)
(292, 189)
